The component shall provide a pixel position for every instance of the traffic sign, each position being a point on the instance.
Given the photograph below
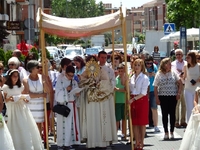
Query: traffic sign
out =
(169, 28)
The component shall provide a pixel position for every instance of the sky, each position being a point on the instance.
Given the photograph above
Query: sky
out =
(126, 3)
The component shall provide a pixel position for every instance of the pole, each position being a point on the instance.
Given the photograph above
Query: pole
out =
(113, 47)
(123, 19)
(44, 71)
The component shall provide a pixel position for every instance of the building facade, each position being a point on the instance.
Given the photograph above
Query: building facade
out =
(23, 14)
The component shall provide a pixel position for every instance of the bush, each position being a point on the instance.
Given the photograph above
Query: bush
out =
(2, 56)
(35, 52)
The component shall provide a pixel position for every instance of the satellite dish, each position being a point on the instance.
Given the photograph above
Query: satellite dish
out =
(27, 21)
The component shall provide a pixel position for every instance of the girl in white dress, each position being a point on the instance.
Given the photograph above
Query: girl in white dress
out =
(191, 138)
(68, 132)
(21, 124)
(5, 137)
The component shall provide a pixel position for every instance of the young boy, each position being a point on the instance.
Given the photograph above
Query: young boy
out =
(120, 98)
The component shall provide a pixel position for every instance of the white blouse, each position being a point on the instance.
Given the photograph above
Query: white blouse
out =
(139, 85)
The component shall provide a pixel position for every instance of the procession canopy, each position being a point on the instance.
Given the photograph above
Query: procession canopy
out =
(79, 27)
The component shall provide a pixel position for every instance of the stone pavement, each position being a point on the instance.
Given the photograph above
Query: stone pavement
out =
(153, 141)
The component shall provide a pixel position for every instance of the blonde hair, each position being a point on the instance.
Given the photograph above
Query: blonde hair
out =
(141, 62)
(162, 65)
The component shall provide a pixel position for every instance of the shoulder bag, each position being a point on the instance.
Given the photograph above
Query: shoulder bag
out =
(62, 109)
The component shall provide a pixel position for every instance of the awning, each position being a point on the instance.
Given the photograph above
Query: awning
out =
(79, 27)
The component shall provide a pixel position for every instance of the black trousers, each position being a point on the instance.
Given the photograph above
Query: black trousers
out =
(168, 107)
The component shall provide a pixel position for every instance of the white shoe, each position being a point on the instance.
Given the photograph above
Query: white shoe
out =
(172, 136)
(156, 129)
(166, 137)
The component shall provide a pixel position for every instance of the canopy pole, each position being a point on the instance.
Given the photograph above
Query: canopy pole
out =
(44, 71)
(113, 47)
(126, 70)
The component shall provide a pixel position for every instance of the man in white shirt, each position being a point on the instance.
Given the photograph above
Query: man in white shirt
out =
(102, 57)
(177, 66)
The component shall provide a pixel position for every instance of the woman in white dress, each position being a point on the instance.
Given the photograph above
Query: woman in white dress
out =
(5, 137)
(68, 132)
(191, 138)
(35, 85)
(21, 124)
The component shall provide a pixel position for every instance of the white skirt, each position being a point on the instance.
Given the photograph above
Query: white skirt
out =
(6, 142)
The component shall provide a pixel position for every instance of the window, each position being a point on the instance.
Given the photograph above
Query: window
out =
(135, 14)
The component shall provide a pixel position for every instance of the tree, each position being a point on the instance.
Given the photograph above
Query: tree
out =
(77, 8)
(184, 13)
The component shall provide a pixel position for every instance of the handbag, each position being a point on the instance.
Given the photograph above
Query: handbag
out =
(61, 110)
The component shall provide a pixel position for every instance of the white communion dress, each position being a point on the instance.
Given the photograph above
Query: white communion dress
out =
(6, 142)
(21, 124)
(191, 138)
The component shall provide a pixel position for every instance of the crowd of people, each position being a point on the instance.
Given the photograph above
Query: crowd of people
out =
(96, 95)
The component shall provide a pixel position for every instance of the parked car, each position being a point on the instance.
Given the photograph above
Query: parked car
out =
(91, 51)
(100, 48)
(54, 48)
(71, 52)
(55, 57)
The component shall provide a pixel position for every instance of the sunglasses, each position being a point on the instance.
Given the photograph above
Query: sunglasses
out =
(11, 64)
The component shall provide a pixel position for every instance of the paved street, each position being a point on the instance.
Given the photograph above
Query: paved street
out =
(153, 141)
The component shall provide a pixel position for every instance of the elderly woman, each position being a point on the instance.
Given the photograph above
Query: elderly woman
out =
(37, 86)
(14, 63)
(167, 90)
(139, 83)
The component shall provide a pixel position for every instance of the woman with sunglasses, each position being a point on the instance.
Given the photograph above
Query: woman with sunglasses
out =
(14, 63)
(152, 69)
(68, 132)
(20, 120)
(37, 86)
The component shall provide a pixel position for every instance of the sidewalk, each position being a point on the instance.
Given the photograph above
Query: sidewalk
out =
(153, 141)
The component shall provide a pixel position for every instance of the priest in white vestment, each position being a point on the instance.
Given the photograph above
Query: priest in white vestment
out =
(98, 119)
(68, 132)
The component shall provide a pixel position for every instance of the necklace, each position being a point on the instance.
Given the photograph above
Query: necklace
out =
(35, 86)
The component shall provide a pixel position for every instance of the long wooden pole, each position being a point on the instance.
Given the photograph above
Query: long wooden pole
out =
(126, 69)
(113, 47)
(44, 71)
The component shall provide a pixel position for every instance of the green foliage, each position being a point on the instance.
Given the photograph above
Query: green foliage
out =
(106, 42)
(141, 38)
(22, 58)
(108, 35)
(77, 8)
(73, 9)
(184, 13)
(8, 55)
(35, 52)
(2, 56)
(79, 41)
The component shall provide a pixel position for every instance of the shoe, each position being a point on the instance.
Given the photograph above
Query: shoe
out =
(156, 129)
(177, 125)
(184, 124)
(172, 136)
(166, 137)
